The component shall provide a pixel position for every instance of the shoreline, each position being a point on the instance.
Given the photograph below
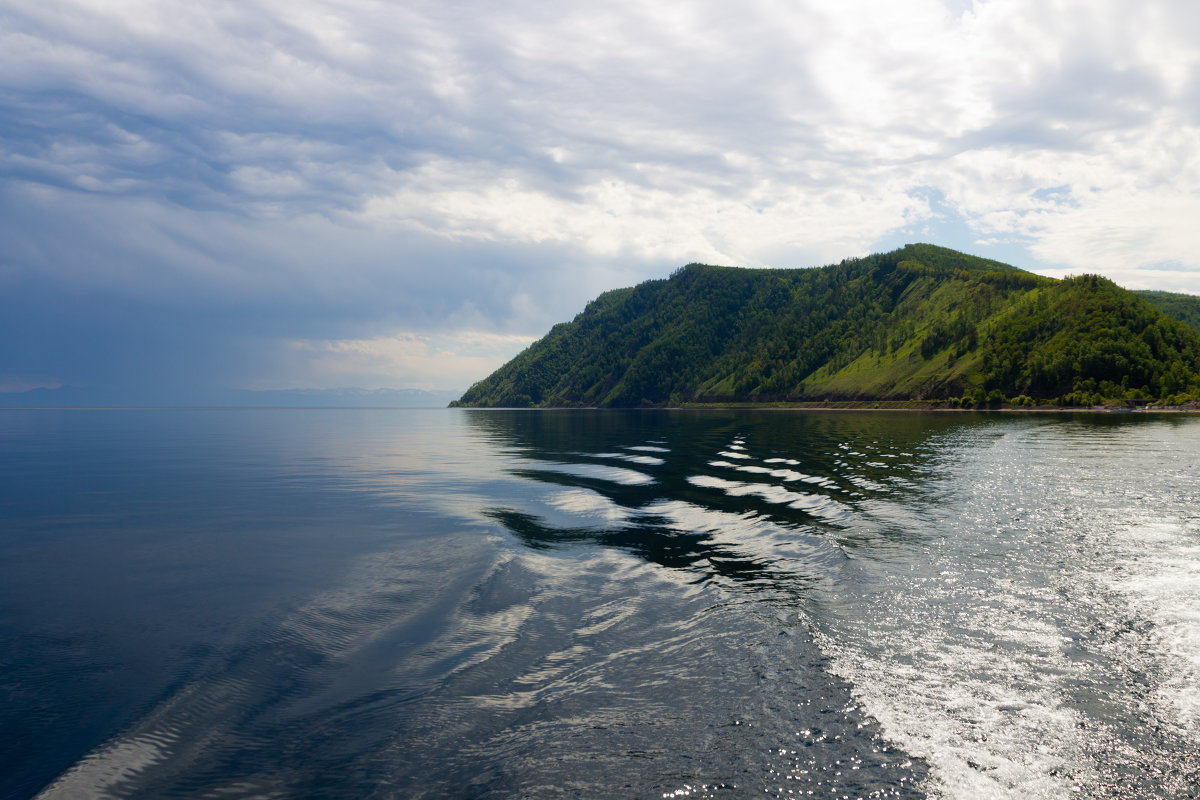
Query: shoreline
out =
(883, 405)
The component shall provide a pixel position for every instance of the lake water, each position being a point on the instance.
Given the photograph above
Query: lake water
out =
(489, 604)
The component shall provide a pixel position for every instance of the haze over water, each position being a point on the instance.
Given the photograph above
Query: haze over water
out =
(488, 604)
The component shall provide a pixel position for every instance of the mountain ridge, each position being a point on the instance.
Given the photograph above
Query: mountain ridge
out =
(922, 323)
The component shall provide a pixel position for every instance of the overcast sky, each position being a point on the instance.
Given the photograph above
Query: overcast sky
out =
(325, 193)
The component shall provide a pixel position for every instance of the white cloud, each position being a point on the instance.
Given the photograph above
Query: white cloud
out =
(402, 360)
(617, 216)
(1121, 205)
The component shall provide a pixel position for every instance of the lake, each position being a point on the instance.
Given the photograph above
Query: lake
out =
(377, 603)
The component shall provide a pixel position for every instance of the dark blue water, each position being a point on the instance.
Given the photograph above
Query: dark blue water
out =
(434, 603)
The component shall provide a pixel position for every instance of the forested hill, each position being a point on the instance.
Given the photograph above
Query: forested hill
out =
(1183, 307)
(919, 323)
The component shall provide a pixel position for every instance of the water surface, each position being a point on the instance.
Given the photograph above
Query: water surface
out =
(451, 603)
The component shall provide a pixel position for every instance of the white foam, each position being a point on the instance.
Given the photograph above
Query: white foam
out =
(1161, 580)
(987, 718)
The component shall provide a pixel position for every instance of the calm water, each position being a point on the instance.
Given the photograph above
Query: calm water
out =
(443, 603)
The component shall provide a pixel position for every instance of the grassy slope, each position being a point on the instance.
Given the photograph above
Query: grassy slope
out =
(914, 370)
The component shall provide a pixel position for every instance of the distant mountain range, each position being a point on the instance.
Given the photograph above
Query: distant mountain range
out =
(922, 323)
(77, 397)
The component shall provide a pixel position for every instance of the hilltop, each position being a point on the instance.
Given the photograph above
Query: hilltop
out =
(920, 323)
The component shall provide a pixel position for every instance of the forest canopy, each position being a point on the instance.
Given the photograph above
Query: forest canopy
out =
(921, 323)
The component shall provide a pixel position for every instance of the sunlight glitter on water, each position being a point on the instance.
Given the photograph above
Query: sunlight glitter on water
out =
(1163, 585)
(1019, 642)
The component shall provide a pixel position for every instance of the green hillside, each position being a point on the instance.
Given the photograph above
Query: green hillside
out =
(919, 323)
(1183, 307)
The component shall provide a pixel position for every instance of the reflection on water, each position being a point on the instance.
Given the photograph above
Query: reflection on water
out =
(631, 604)
(765, 516)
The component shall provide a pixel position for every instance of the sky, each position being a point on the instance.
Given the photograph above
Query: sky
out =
(275, 194)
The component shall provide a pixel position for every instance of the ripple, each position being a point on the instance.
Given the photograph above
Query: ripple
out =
(103, 773)
(815, 504)
(589, 504)
(618, 475)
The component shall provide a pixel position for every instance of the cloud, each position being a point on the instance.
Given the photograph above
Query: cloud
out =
(328, 171)
(449, 361)
(613, 217)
